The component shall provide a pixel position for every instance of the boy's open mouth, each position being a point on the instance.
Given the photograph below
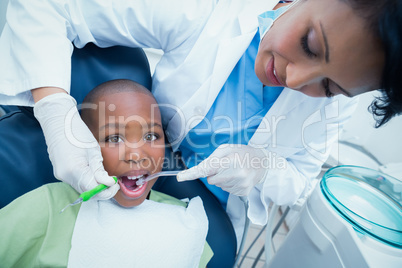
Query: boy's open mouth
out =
(128, 185)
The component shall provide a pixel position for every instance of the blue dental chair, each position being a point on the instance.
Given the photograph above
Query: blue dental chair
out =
(25, 164)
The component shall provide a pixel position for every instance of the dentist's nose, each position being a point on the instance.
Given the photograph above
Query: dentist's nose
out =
(299, 76)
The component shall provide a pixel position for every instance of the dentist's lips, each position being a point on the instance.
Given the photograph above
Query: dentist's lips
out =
(271, 76)
(129, 187)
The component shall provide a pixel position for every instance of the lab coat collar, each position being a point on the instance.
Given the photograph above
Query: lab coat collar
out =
(231, 49)
(248, 19)
(288, 100)
(233, 36)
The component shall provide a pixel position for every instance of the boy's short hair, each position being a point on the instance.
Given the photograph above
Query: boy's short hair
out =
(108, 88)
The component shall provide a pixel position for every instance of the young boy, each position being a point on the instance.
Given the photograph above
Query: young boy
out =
(139, 228)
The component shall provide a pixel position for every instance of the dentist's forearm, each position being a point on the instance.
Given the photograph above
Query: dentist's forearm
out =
(41, 92)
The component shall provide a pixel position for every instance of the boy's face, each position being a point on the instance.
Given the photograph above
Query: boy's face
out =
(130, 134)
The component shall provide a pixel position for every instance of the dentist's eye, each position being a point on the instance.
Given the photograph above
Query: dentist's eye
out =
(305, 46)
(328, 92)
(113, 139)
(151, 137)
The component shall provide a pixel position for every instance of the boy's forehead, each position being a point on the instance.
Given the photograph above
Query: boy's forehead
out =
(124, 95)
(127, 104)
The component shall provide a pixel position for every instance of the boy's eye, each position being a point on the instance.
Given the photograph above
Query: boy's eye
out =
(151, 137)
(113, 139)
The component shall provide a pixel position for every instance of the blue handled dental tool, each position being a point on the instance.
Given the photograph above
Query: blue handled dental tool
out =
(85, 196)
(156, 175)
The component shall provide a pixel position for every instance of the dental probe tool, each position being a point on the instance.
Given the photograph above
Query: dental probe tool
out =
(85, 196)
(156, 175)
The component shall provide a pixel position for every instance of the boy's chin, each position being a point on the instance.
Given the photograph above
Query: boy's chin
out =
(127, 202)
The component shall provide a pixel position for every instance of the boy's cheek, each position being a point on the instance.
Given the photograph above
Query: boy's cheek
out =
(160, 161)
(110, 158)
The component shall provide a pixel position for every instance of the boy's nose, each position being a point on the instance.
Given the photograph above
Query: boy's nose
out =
(135, 157)
(134, 153)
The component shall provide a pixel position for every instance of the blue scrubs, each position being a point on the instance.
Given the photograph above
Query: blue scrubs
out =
(234, 116)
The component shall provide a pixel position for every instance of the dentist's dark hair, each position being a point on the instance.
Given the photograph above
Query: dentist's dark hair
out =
(384, 20)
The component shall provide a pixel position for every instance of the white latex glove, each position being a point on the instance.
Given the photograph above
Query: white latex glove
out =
(233, 167)
(73, 150)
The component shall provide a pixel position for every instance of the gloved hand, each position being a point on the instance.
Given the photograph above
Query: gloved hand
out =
(233, 167)
(73, 150)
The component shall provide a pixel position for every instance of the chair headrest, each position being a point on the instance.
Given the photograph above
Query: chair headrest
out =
(92, 66)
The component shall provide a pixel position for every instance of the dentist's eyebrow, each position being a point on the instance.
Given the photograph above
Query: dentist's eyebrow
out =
(343, 90)
(327, 59)
(325, 43)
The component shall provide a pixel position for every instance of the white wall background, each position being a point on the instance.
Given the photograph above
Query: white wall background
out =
(3, 9)
(384, 143)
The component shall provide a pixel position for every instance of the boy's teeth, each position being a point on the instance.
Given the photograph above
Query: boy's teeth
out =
(135, 177)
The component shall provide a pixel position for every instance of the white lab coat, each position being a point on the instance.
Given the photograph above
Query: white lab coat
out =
(202, 42)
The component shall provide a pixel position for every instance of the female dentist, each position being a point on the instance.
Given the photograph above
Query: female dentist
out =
(252, 103)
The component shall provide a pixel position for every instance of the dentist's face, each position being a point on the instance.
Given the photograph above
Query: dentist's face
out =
(320, 48)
